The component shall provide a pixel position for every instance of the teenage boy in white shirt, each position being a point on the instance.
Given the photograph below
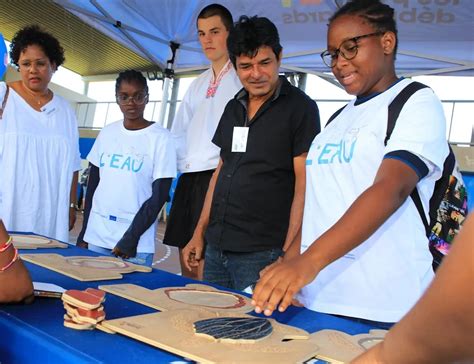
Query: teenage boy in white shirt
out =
(194, 127)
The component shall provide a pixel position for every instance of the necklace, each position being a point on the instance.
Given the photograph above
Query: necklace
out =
(40, 99)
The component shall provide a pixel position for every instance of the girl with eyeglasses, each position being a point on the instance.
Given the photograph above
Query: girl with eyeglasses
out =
(132, 164)
(364, 251)
(39, 141)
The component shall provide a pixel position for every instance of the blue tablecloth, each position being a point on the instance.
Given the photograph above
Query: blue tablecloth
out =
(35, 333)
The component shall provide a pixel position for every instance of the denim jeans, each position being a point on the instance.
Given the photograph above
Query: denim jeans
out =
(236, 270)
(140, 258)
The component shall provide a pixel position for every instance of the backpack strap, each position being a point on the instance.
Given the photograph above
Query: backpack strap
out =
(397, 104)
(4, 102)
(333, 116)
(415, 196)
(394, 110)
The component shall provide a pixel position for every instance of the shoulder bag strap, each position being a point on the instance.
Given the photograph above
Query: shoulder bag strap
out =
(4, 102)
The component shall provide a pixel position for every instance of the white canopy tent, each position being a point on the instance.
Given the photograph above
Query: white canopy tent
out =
(436, 36)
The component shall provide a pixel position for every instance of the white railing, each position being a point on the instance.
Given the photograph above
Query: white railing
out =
(98, 114)
(459, 115)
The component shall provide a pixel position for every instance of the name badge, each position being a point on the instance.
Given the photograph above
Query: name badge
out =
(47, 110)
(239, 139)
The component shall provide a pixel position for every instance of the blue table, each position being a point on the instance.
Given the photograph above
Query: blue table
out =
(35, 333)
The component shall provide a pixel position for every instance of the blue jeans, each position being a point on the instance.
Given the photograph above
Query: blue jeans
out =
(236, 270)
(140, 258)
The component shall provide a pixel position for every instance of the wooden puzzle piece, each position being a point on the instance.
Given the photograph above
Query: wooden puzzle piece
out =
(84, 309)
(96, 292)
(85, 268)
(101, 327)
(86, 320)
(76, 320)
(74, 325)
(192, 296)
(81, 299)
(173, 331)
(35, 242)
(339, 347)
(91, 316)
(68, 306)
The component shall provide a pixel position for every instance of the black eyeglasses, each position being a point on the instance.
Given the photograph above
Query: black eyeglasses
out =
(348, 49)
(138, 99)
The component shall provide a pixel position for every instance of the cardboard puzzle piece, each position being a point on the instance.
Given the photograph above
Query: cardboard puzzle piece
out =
(85, 268)
(192, 297)
(174, 331)
(35, 242)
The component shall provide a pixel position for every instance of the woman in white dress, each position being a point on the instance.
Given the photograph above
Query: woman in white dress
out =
(39, 149)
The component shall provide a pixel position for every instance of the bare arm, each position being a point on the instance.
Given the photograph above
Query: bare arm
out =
(73, 200)
(15, 281)
(440, 327)
(393, 184)
(297, 206)
(295, 247)
(192, 252)
(293, 251)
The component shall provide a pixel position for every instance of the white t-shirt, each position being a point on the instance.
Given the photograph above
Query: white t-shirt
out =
(383, 277)
(39, 152)
(197, 118)
(129, 161)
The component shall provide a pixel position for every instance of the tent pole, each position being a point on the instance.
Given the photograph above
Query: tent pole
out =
(302, 77)
(173, 101)
(164, 102)
(168, 76)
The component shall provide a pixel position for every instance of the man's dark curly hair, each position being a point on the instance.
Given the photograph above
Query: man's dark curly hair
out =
(249, 34)
(34, 35)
